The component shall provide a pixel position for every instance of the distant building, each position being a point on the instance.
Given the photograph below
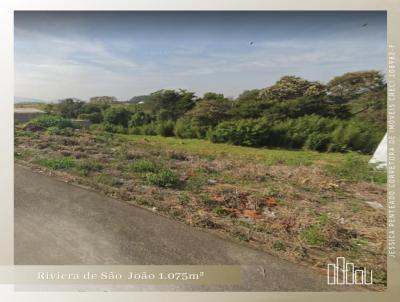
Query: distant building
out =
(24, 115)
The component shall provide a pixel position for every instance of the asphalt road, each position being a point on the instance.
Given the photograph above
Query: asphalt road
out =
(59, 223)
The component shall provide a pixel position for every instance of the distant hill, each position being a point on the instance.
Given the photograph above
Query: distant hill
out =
(22, 100)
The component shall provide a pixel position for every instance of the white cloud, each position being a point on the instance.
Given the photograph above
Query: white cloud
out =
(53, 67)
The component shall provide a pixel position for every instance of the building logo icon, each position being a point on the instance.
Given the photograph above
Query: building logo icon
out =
(344, 273)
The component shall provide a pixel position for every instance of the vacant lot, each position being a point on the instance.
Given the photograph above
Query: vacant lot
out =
(304, 206)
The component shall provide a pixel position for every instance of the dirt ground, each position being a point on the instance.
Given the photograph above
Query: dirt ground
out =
(299, 213)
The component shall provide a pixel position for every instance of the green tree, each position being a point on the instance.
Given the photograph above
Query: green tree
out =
(70, 108)
(287, 88)
(210, 112)
(175, 103)
(117, 116)
(249, 95)
(88, 108)
(140, 118)
(354, 84)
(213, 96)
(205, 115)
(250, 108)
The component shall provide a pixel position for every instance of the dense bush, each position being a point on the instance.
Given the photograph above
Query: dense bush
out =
(46, 121)
(184, 128)
(249, 132)
(318, 141)
(311, 132)
(165, 128)
(150, 129)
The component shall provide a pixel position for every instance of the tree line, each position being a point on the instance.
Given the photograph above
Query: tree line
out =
(346, 114)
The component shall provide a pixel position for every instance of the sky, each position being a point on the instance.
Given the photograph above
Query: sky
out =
(125, 54)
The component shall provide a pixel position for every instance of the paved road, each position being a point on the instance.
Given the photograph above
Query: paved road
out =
(58, 223)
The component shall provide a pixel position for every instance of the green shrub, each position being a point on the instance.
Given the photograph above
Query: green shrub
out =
(196, 182)
(312, 132)
(26, 133)
(143, 166)
(47, 121)
(149, 129)
(135, 130)
(165, 128)
(185, 129)
(360, 136)
(60, 131)
(164, 178)
(250, 132)
(56, 164)
(279, 245)
(318, 141)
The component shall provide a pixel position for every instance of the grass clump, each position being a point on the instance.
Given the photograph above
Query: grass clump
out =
(279, 245)
(87, 166)
(144, 166)
(357, 247)
(56, 164)
(25, 133)
(196, 182)
(323, 219)
(165, 178)
(184, 198)
(380, 277)
(206, 200)
(355, 168)
(221, 211)
(54, 130)
(313, 235)
(24, 154)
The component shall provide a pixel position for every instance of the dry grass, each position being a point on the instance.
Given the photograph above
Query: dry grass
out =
(300, 212)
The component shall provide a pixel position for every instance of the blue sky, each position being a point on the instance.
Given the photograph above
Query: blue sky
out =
(84, 54)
